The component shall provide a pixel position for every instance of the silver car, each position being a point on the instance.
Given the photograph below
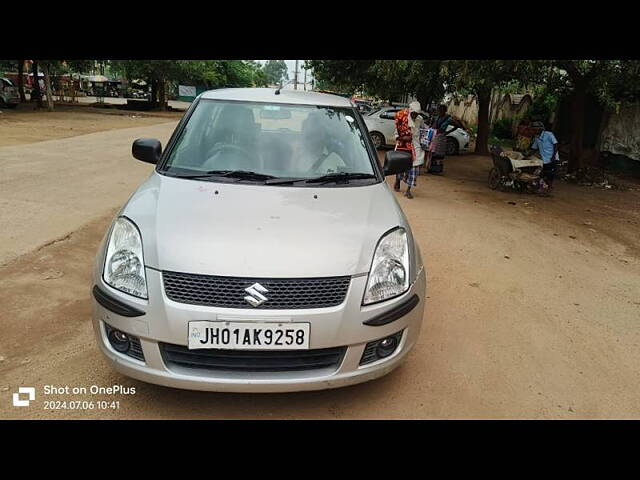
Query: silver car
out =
(265, 253)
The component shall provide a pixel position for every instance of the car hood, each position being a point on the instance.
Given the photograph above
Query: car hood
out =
(248, 230)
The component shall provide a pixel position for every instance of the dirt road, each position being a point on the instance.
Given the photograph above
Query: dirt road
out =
(49, 189)
(533, 309)
(26, 125)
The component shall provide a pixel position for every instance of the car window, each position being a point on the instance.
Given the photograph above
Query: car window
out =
(288, 141)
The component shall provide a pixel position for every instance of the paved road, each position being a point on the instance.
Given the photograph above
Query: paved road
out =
(49, 189)
(531, 312)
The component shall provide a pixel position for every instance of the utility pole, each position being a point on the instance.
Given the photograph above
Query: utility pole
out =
(295, 77)
(305, 79)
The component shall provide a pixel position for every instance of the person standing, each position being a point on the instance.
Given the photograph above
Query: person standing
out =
(524, 135)
(545, 142)
(408, 123)
(441, 123)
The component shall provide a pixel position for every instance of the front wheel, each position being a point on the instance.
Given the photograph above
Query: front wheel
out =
(452, 146)
(494, 178)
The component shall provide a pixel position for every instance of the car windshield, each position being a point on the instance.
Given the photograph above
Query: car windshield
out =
(274, 140)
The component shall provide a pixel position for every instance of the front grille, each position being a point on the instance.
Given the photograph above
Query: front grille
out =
(229, 292)
(135, 349)
(252, 360)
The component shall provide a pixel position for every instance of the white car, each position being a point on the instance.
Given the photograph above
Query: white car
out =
(265, 252)
(8, 93)
(382, 128)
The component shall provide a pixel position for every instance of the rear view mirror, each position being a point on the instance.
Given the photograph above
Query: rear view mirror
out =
(397, 162)
(147, 150)
(275, 113)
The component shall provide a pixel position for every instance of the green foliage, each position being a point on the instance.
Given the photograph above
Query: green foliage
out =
(275, 71)
(544, 104)
(610, 81)
(502, 128)
(212, 73)
(386, 79)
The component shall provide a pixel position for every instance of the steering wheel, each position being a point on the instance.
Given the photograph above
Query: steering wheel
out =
(232, 148)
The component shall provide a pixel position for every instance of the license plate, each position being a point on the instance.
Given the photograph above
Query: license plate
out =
(249, 335)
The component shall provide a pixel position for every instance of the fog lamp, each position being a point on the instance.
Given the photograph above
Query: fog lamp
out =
(386, 347)
(119, 340)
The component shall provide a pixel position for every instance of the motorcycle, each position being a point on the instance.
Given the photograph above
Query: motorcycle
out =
(514, 171)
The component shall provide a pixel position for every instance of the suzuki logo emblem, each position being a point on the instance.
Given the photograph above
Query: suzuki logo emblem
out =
(255, 297)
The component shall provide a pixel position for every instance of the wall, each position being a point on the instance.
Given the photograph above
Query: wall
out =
(621, 136)
(501, 106)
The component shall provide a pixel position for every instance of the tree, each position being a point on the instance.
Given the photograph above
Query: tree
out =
(23, 97)
(387, 79)
(47, 85)
(341, 75)
(609, 81)
(480, 77)
(211, 73)
(276, 72)
(35, 91)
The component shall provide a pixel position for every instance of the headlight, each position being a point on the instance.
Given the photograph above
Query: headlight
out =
(389, 275)
(124, 263)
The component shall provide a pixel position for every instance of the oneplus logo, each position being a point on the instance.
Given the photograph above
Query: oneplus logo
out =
(30, 391)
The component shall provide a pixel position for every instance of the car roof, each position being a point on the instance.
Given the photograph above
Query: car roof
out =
(267, 95)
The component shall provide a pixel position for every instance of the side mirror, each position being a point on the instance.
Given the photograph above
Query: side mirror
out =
(147, 150)
(397, 162)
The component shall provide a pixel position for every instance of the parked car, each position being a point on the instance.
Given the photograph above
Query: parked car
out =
(264, 253)
(382, 128)
(364, 107)
(9, 96)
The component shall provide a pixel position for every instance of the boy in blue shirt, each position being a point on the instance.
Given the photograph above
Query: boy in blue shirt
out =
(545, 142)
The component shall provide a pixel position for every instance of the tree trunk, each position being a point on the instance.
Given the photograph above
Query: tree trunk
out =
(577, 126)
(47, 84)
(35, 91)
(162, 94)
(154, 93)
(23, 97)
(482, 139)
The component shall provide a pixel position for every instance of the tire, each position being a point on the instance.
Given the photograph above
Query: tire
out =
(378, 140)
(494, 178)
(453, 148)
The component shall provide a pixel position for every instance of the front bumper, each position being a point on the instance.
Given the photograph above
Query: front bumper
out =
(165, 321)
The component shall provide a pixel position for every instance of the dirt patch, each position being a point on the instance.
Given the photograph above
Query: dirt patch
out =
(27, 125)
(529, 314)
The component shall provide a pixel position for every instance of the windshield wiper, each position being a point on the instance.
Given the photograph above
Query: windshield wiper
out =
(340, 177)
(239, 174)
(283, 181)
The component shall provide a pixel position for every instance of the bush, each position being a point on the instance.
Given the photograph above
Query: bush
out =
(502, 128)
